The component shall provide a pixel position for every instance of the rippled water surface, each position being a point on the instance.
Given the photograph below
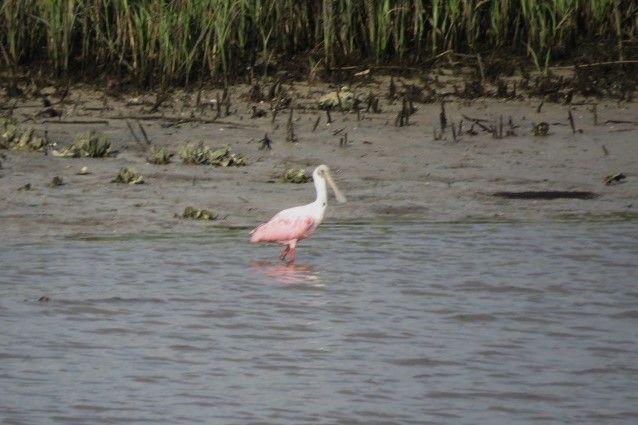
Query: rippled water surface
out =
(403, 323)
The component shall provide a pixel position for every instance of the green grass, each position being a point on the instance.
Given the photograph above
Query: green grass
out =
(159, 42)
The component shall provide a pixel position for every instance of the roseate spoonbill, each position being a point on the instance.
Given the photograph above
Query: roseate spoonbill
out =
(293, 224)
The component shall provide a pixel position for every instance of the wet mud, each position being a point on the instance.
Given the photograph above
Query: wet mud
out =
(455, 143)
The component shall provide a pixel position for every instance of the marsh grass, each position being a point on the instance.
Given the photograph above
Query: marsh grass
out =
(156, 42)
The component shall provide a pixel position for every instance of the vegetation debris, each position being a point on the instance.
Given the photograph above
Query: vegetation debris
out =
(13, 137)
(56, 182)
(296, 176)
(541, 130)
(615, 179)
(203, 155)
(343, 99)
(191, 213)
(159, 155)
(90, 144)
(128, 176)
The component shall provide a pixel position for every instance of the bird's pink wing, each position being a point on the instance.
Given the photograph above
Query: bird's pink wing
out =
(283, 229)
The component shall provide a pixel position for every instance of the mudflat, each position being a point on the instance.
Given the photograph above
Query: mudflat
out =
(488, 158)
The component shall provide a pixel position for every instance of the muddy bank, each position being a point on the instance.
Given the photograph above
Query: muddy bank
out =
(490, 161)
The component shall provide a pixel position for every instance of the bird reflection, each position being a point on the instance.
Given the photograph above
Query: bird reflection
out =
(287, 273)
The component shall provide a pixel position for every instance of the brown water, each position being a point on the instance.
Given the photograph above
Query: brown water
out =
(397, 323)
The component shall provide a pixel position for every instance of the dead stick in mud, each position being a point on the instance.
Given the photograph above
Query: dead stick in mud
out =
(148, 142)
(161, 97)
(36, 107)
(339, 101)
(442, 117)
(218, 105)
(343, 141)
(481, 70)
(105, 103)
(328, 115)
(374, 104)
(172, 121)
(11, 108)
(65, 93)
(478, 122)
(130, 127)
(290, 129)
(571, 120)
(392, 90)
(407, 110)
(594, 111)
(435, 135)
(227, 102)
(402, 117)
(198, 99)
(334, 133)
(50, 112)
(77, 122)
(314, 127)
(589, 65)
(510, 124)
(479, 61)
(225, 95)
(538, 110)
(265, 143)
(620, 122)
(277, 106)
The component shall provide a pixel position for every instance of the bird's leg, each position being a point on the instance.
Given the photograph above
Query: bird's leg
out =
(282, 257)
(292, 255)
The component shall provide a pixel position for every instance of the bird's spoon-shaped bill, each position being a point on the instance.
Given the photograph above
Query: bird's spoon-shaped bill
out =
(338, 194)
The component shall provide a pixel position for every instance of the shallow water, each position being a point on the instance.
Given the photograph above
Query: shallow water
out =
(404, 323)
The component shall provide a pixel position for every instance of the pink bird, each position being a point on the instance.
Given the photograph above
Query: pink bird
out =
(293, 224)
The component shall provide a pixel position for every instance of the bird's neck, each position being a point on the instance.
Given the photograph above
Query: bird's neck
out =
(322, 193)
